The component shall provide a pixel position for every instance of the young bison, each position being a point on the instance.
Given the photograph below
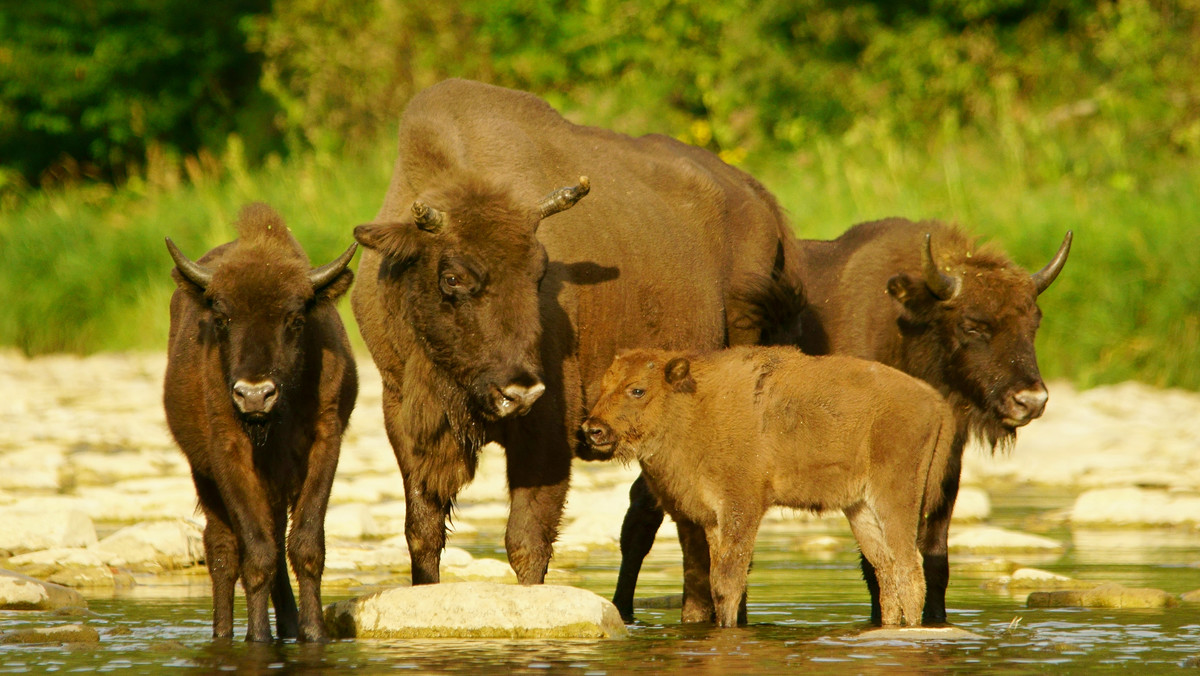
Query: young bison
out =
(723, 436)
(259, 387)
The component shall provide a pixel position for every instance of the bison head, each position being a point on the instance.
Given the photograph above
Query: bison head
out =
(256, 298)
(462, 270)
(969, 320)
(634, 394)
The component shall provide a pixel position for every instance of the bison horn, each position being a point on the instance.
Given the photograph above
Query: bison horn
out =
(427, 218)
(1042, 279)
(322, 276)
(564, 198)
(940, 284)
(191, 270)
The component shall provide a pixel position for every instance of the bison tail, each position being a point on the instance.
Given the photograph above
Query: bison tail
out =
(772, 306)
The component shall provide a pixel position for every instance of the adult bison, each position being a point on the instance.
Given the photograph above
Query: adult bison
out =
(260, 383)
(473, 309)
(925, 299)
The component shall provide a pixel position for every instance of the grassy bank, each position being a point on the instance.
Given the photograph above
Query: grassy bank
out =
(85, 269)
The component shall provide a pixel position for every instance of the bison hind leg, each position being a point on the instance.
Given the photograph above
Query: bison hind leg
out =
(869, 533)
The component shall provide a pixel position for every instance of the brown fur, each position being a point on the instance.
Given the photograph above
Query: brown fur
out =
(260, 319)
(723, 436)
(867, 298)
(662, 252)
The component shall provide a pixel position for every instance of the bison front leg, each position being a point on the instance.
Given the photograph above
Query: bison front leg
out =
(538, 484)
(638, 530)
(731, 548)
(287, 621)
(306, 543)
(246, 499)
(697, 592)
(221, 554)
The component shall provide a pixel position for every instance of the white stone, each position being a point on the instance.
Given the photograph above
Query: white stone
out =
(153, 546)
(21, 592)
(972, 504)
(349, 520)
(26, 530)
(364, 558)
(991, 539)
(476, 610)
(480, 569)
(1135, 506)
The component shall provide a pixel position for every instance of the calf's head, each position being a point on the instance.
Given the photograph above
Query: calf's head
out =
(462, 270)
(970, 318)
(256, 299)
(634, 396)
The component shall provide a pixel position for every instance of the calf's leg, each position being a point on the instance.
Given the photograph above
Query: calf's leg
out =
(869, 534)
(641, 524)
(697, 590)
(731, 548)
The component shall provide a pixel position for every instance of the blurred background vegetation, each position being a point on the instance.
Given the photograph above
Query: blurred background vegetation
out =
(122, 121)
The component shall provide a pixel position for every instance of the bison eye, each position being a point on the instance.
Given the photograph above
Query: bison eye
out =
(220, 320)
(295, 323)
(975, 329)
(637, 392)
(453, 284)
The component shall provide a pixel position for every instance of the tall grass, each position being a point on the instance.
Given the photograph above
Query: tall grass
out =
(85, 270)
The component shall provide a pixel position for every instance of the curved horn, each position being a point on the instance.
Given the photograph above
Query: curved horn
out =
(320, 277)
(941, 285)
(191, 270)
(428, 218)
(564, 198)
(1042, 279)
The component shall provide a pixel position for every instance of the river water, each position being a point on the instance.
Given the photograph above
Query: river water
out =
(806, 610)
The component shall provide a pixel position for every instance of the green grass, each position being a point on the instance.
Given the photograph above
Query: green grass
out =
(85, 270)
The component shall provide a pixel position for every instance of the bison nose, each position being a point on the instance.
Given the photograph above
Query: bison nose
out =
(255, 398)
(516, 398)
(1028, 404)
(597, 432)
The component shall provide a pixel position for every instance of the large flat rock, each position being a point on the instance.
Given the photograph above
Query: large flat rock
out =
(1103, 596)
(21, 592)
(476, 610)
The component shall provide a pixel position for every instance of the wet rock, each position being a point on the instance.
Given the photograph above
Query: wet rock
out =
(1028, 579)
(65, 633)
(476, 610)
(668, 601)
(492, 570)
(1135, 506)
(992, 539)
(349, 521)
(917, 634)
(21, 592)
(1190, 597)
(70, 567)
(153, 546)
(1103, 596)
(26, 529)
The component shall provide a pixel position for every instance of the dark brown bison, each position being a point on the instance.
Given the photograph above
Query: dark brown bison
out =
(723, 436)
(259, 387)
(474, 309)
(926, 299)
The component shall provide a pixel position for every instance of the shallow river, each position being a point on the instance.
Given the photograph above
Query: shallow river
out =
(805, 612)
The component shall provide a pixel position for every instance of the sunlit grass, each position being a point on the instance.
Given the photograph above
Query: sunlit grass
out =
(85, 270)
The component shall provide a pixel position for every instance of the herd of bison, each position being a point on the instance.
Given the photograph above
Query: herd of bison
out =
(568, 291)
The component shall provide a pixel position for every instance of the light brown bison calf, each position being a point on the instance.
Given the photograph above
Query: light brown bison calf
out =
(723, 436)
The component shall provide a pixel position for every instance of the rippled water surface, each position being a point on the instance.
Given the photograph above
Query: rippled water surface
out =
(806, 611)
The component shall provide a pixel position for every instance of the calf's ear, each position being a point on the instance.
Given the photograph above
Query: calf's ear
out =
(400, 241)
(678, 373)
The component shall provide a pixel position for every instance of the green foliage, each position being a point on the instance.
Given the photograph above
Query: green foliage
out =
(87, 86)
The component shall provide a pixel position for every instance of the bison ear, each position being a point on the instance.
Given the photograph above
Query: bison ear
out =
(397, 240)
(337, 288)
(908, 291)
(679, 375)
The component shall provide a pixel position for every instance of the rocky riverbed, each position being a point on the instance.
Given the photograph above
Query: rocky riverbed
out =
(95, 496)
